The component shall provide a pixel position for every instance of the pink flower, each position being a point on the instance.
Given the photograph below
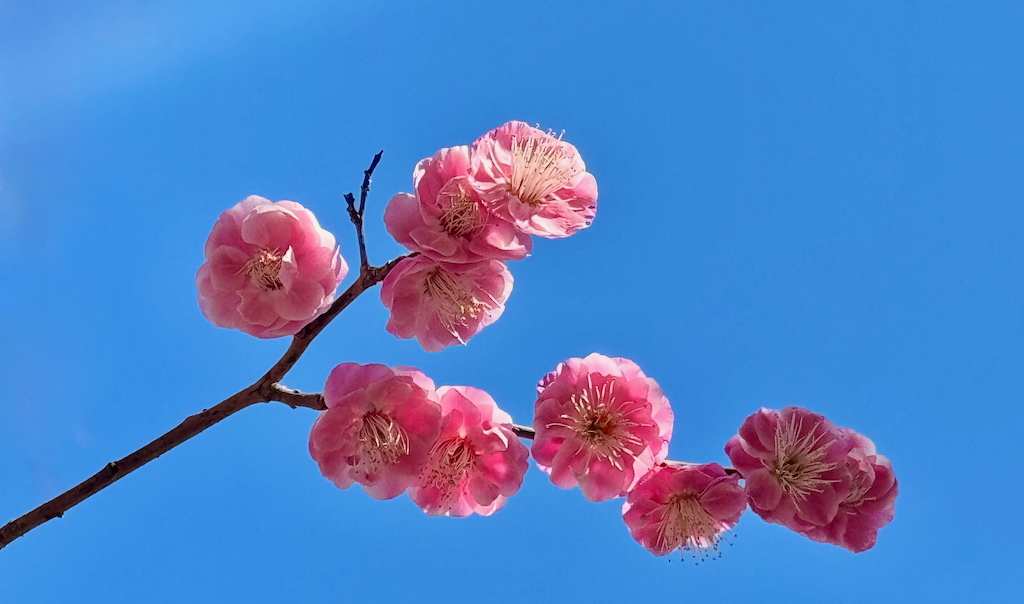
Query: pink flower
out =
(378, 428)
(793, 462)
(868, 506)
(270, 269)
(601, 424)
(534, 179)
(446, 220)
(443, 304)
(679, 507)
(477, 462)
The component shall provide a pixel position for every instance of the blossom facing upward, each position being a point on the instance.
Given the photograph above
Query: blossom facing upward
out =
(794, 465)
(270, 269)
(378, 429)
(534, 179)
(443, 304)
(601, 424)
(868, 506)
(477, 463)
(683, 507)
(446, 219)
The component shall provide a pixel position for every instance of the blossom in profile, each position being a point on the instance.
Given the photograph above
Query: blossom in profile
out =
(270, 269)
(684, 508)
(378, 429)
(534, 179)
(600, 424)
(870, 503)
(443, 304)
(794, 465)
(446, 219)
(477, 462)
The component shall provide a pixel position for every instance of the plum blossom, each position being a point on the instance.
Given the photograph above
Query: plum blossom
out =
(868, 506)
(477, 462)
(446, 220)
(534, 179)
(270, 269)
(794, 465)
(601, 424)
(443, 304)
(684, 507)
(378, 429)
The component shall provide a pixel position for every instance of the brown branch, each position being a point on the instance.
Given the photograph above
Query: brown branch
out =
(116, 470)
(265, 389)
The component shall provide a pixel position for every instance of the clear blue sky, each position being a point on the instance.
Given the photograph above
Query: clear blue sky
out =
(815, 204)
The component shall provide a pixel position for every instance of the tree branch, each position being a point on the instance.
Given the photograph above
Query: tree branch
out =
(265, 389)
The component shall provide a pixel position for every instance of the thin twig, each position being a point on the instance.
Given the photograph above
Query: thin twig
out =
(356, 215)
(265, 389)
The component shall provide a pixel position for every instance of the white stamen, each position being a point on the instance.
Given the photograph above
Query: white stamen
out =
(454, 304)
(602, 427)
(384, 441)
(540, 166)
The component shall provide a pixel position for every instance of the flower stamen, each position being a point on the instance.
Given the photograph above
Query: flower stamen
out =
(384, 441)
(454, 304)
(797, 463)
(463, 216)
(540, 166)
(601, 425)
(263, 269)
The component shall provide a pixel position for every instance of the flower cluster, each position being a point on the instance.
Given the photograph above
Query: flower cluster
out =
(803, 472)
(474, 208)
(392, 431)
(600, 423)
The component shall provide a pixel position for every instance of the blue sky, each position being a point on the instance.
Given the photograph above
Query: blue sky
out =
(815, 204)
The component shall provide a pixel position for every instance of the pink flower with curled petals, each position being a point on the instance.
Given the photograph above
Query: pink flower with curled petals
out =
(442, 304)
(794, 465)
(446, 220)
(600, 424)
(534, 179)
(868, 506)
(378, 429)
(684, 507)
(270, 269)
(477, 462)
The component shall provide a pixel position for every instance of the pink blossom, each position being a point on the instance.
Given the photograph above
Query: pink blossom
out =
(601, 424)
(270, 269)
(477, 462)
(443, 304)
(446, 220)
(868, 506)
(682, 507)
(534, 179)
(378, 429)
(793, 462)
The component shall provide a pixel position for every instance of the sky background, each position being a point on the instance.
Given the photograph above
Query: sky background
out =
(814, 204)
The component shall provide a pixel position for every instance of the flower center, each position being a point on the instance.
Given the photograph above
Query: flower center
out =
(687, 526)
(263, 269)
(455, 305)
(450, 462)
(540, 166)
(463, 216)
(600, 425)
(384, 441)
(797, 464)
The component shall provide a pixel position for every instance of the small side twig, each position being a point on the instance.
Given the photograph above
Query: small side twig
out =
(356, 214)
